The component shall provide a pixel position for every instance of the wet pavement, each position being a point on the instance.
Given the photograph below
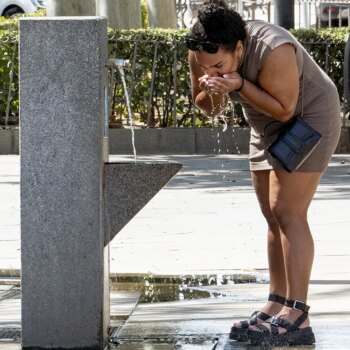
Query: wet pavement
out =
(201, 322)
(210, 319)
(177, 268)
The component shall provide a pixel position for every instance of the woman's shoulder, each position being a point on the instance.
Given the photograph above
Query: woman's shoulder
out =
(262, 39)
(270, 34)
(256, 27)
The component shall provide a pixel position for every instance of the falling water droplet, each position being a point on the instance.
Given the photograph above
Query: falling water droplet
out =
(126, 94)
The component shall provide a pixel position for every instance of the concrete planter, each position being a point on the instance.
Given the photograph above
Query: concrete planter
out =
(344, 141)
(9, 141)
(180, 141)
(172, 141)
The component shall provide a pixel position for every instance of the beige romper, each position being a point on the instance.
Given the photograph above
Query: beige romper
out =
(321, 100)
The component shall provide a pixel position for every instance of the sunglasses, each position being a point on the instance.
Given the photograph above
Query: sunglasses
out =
(196, 45)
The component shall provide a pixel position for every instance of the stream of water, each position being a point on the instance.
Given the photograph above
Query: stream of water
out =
(215, 117)
(127, 99)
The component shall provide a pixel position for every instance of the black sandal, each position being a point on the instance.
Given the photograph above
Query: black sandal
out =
(240, 333)
(294, 334)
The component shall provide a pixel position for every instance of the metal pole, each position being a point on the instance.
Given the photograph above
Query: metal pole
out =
(284, 13)
(347, 73)
(175, 85)
(152, 84)
(9, 97)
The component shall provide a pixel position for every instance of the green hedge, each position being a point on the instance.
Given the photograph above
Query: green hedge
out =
(139, 47)
(314, 41)
(8, 36)
(9, 53)
(123, 45)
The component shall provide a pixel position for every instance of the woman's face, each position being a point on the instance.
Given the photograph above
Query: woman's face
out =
(220, 63)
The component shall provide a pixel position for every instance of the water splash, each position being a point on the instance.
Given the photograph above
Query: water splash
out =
(127, 99)
(225, 124)
(233, 104)
(214, 116)
(215, 121)
(223, 117)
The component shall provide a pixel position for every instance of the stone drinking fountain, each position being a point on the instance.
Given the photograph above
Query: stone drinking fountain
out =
(73, 201)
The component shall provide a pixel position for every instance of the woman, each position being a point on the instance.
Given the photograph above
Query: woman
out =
(263, 67)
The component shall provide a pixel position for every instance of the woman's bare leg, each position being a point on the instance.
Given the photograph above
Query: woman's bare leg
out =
(290, 197)
(278, 284)
(261, 182)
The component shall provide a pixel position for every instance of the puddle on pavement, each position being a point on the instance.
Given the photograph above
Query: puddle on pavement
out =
(165, 289)
(175, 345)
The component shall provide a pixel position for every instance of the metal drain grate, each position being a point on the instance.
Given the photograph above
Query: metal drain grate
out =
(185, 340)
(10, 335)
(12, 293)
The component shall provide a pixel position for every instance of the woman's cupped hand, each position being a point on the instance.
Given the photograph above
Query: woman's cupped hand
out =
(220, 84)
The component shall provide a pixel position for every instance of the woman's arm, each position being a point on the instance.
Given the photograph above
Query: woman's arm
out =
(278, 90)
(210, 103)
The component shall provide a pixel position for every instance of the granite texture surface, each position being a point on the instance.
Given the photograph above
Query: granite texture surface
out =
(128, 187)
(61, 92)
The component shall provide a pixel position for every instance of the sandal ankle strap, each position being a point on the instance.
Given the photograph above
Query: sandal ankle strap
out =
(297, 305)
(277, 298)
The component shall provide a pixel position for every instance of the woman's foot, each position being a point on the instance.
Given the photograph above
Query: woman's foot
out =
(291, 326)
(273, 307)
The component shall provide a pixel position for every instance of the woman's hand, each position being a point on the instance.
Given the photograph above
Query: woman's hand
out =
(222, 85)
(204, 84)
(209, 102)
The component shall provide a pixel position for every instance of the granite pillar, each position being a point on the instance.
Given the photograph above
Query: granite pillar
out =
(128, 187)
(65, 294)
(72, 7)
(162, 13)
(122, 14)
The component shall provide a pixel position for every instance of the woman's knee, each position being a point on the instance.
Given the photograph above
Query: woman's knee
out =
(269, 216)
(287, 215)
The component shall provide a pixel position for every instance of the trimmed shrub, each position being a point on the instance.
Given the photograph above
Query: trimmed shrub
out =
(9, 67)
(158, 80)
(327, 47)
(139, 46)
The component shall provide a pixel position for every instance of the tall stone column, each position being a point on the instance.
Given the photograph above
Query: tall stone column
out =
(122, 14)
(65, 294)
(72, 7)
(162, 14)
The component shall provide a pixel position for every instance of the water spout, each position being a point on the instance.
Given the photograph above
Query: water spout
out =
(120, 64)
(128, 105)
(117, 62)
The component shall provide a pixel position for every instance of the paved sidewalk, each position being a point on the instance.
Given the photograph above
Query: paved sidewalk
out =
(206, 221)
(202, 324)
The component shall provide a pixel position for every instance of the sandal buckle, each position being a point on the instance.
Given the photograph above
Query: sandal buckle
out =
(274, 321)
(298, 305)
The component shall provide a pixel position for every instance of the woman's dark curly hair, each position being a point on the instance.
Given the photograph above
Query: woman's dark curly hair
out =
(218, 23)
